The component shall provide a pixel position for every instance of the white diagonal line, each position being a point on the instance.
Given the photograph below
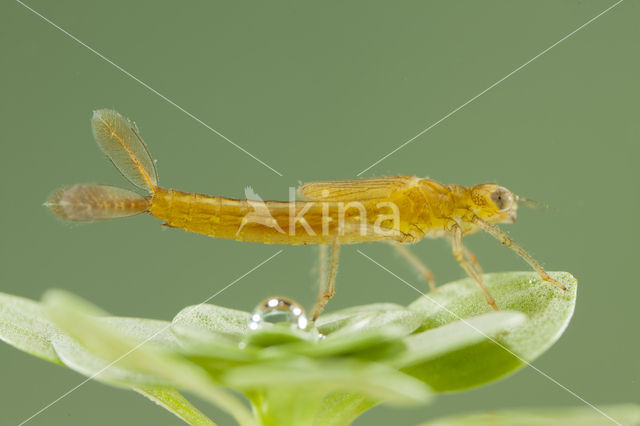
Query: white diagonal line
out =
(494, 341)
(144, 341)
(145, 85)
(491, 87)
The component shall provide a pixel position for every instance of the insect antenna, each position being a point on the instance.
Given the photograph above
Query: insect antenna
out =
(533, 203)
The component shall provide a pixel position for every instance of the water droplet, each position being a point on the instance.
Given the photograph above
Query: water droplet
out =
(276, 310)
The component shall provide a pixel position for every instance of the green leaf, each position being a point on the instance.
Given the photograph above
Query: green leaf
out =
(197, 342)
(368, 317)
(152, 332)
(446, 340)
(214, 318)
(376, 381)
(286, 405)
(371, 328)
(430, 344)
(23, 324)
(278, 334)
(136, 331)
(626, 414)
(173, 401)
(78, 358)
(75, 317)
(548, 310)
(342, 408)
(359, 345)
(102, 338)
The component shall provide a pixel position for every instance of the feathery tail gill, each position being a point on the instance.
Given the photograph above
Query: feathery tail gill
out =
(120, 140)
(90, 202)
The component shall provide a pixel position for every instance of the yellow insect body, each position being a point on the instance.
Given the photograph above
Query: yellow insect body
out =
(396, 209)
(425, 208)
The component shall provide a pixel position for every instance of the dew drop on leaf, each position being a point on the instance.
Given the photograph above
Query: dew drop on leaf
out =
(278, 310)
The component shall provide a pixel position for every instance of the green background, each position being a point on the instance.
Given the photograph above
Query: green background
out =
(320, 91)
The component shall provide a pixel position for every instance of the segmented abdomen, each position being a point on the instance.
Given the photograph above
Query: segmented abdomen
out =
(305, 222)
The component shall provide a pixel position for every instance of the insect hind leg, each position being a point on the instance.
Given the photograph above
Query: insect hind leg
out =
(416, 263)
(327, 286)
(321, 267)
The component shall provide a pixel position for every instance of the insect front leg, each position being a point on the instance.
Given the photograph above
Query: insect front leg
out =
(416, 263)
(459, 254)
(328, 288)
(501, 236)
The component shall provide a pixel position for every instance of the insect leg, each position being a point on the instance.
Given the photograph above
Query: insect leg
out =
(416, 263)
(322, 264)
(501, 236)
(458, 253)
(473, 260)
(468, 254)
(328, 289)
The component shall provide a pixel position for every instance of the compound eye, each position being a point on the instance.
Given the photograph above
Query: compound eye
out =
(503, 198)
